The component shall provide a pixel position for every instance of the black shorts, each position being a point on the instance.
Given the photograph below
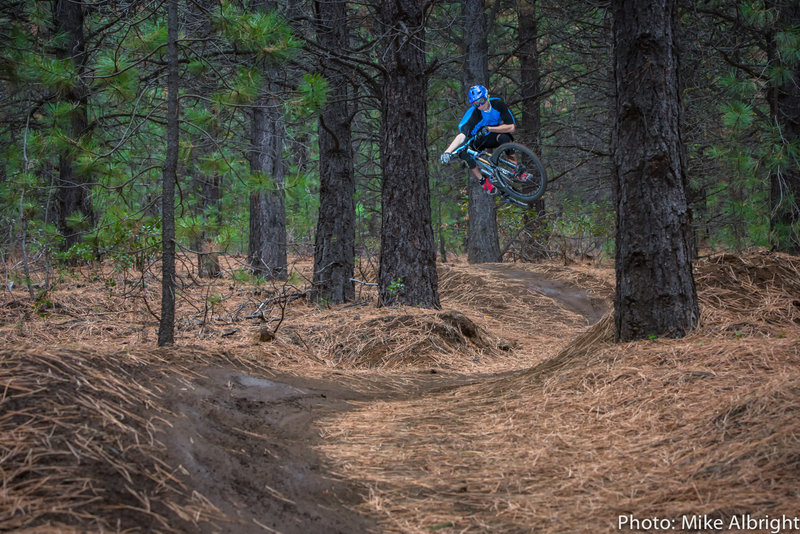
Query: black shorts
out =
(490, 140)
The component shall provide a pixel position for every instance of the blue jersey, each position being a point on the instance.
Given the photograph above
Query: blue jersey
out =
(474, 119)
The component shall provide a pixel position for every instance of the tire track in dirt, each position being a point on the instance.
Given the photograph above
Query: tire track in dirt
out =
(562, 293)
(245, 443)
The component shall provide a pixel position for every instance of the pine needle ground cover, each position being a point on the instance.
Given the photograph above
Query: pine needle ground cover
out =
(505, 411)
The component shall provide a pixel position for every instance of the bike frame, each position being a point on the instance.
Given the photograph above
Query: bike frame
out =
(489, 168)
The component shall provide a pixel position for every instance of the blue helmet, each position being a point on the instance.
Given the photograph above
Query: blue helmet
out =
(476, 92)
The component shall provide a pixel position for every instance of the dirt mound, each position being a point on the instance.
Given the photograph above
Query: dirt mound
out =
(145, 441)
(78, 446)
(525, 289)
(757, 294)
(769, 270)
(412, 338)
(507, 321)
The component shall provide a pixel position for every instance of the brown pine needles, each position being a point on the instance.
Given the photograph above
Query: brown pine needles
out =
(502, 413)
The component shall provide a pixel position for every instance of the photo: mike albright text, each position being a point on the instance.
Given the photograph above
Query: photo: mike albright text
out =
(739, 522)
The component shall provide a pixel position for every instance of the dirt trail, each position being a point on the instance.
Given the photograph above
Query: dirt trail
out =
(502, 412)
(569, 297)
(246, 442)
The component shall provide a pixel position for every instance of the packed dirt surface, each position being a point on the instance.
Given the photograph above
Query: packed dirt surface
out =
(563, 293)
(246, 443)
(509, 410)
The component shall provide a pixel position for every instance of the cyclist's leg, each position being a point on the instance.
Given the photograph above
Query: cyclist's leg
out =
(492, 140)
(476, 172)
(506, 138)
(472, 164)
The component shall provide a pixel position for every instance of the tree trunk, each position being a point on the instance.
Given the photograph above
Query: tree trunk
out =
(407, 272)
(655, 292)
(73, 191)
(208, 259)
(483, 241)
(267, 249)
(166, 329)
(784, 102)
(529, 130)
(334, 250)
(197, 25)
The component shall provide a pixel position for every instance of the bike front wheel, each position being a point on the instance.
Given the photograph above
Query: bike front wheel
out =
(519, 172)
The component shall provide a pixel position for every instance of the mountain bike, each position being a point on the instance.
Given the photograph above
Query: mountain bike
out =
(513, 169)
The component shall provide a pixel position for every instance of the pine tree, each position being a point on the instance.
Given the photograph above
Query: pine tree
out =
(334, 250)
(166, 329)
(407, 273)
(655, 292)
(483, 244)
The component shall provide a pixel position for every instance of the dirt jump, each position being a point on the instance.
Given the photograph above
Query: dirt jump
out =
(511, 409)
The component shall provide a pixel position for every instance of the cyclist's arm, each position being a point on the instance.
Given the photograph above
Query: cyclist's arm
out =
(503, 128)
(457, 142)
(507, 124)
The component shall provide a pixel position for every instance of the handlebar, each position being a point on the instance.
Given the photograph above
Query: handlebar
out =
(464, 145)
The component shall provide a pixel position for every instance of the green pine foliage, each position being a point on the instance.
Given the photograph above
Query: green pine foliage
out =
(734, 146)
(740, 200)
(118, 78)
(122, 150)
(264, 34)
(312, 94)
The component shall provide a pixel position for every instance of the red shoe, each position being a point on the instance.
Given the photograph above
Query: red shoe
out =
(489, 188)
(524, 177)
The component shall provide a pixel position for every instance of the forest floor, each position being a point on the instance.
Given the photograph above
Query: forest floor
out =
(511, 409)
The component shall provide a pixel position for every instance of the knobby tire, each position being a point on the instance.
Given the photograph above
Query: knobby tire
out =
(526, 192)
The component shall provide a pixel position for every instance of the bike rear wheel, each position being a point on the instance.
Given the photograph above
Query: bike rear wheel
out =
(519, 172)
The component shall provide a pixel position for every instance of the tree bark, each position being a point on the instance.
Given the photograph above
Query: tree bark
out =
(197, 25)
(529, 129)
(267, 248)
(655, 292)
(483, 241)
(166, 329)
(407, 272)
(73, 191)
(334, 250)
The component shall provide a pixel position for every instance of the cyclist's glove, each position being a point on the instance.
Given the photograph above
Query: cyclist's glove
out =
(484, 131)
(445, 158)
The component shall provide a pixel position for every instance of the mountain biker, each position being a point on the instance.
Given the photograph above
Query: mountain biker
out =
(490, 120)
